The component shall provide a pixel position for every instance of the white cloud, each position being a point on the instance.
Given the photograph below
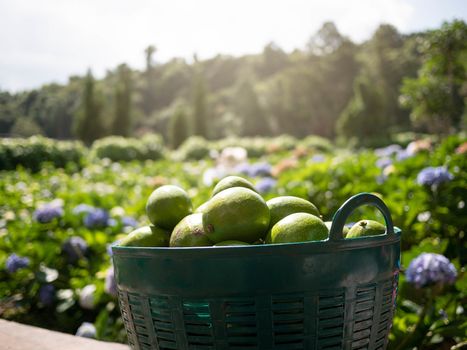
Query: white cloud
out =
(48, 40)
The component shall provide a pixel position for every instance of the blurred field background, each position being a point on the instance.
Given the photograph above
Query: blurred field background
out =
(331, 118)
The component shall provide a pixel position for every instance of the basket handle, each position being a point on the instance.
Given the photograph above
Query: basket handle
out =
(341, 215)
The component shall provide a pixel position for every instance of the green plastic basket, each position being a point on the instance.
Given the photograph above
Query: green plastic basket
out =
(333, 294)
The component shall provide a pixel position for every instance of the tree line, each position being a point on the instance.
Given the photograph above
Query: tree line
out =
(333, 87)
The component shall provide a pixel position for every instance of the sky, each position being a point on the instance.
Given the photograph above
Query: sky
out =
(49, 40)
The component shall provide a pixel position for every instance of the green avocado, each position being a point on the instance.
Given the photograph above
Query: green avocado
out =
(147, 236)
(201, 208)
(236, 213)
(299, 227)
(232, 181)
(280, 207)
(230, 243)
(167, 205)
(366, 228)
(189, 232)
(345, 230)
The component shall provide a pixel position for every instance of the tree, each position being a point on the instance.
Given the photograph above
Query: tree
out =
(363, 117)
(148, 102)
(123, 91)
(436, 98)
(178, 127)
(89, 124)
(246, 106)
(326, 40)
(25, 127)
(199, 105)
(272, 60)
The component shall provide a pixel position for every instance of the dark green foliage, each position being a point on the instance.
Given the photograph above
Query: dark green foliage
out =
(179, 128)
(33, 152)
(123, 102)
(436, 97)
(117, 148)
(89, 124)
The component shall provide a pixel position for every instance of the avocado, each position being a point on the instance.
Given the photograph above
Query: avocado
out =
(232, 181)
(230, 243)
(147, 236)
(365, 228)
(299, 227)
(280, 207)
(345, 230)
(189, 232)
(167, 205)
(236, 213)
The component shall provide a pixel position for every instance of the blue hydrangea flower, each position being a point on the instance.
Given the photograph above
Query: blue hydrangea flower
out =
(434, 176)
(265, 185)
(381, 179)
(86, 330)
(260, 169)
(243, 168)
(429, 268)
(109, 247)
(129, 221)
(403, 155)
(110, 283)
(96, 218)
(47, 213)
(387, 151)
(75, 248)
(87, 298)
(47, 294)
(318, 158)
(383, 162)
(15, 262)
(82, 209)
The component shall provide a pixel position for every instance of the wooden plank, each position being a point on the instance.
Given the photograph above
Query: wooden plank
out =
(16, 336)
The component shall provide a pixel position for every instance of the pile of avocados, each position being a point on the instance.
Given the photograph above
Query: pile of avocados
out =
(236, 215)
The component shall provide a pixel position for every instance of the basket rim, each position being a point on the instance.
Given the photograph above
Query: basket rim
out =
(324, 246)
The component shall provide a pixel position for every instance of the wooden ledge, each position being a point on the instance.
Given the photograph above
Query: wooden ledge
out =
(16, 336)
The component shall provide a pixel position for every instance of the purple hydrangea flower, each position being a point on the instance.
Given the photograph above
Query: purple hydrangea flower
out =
(109, 247)
(403, 155)
(243, 168)
(387, 151)
(86, 330)
(75, 248)
(129, 221)
(47, 294)
(15, 262)
(82, 209)
(265, 185)
(383, 162)
(429, 268)
(110, 283)
(260, 169)
(96, 218)
(47, 213)
(434, 176)
(318, 158)
(381, 179)
(87, 298)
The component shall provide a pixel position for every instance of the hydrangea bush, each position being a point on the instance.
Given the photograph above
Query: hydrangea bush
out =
(56, 226)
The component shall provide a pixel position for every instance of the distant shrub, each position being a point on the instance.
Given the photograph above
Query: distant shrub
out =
(118, 148)
(32, 152)
(317, 142)
(194, 148)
